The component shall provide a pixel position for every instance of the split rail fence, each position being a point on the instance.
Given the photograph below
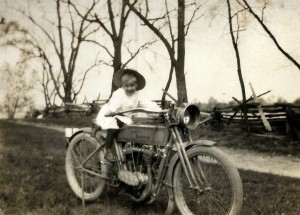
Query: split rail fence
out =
(283, 117)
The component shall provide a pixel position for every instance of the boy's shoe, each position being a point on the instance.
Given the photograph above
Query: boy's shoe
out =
(109, 156)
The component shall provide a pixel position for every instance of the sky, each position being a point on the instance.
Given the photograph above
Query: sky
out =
(210, 59)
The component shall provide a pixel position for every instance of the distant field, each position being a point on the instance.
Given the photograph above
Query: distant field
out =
(70, 122)
(33, 181)
(229, 136)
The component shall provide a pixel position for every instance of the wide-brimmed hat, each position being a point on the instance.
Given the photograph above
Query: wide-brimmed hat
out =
(118, 78)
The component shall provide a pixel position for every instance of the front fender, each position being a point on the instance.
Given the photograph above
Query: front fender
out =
(175, 160)
(200, 143)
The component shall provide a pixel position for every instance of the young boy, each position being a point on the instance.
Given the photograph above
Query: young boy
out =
(126, 97)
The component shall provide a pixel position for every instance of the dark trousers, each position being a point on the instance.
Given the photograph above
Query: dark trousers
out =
(112, 134)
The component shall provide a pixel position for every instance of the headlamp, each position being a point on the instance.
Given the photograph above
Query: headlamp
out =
(188, 115)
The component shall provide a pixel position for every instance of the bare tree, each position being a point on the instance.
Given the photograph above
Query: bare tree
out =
(15, 88)
(172, 42)
(113, 21)
(66, 37)
(14, 35)
(45, 82)
(260, 20)
(116, 35)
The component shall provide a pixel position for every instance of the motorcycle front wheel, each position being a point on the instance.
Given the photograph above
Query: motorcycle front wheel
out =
(219, 188)
(81, 146)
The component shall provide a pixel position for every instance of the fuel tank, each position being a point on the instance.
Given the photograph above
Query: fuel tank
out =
(144, 134)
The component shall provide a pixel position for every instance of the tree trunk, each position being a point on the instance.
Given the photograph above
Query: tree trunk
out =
(117, 60)
(68, 89)
(238, 60)
(11, 115)
(178, 63)
(163, 99)
(179, 67)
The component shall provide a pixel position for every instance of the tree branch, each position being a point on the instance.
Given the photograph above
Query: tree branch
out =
(111, 18)
(40, 27)
(193, 19)
(271, 35)
(102, 46)
(97, 20)
(84, 77)
(134, 54)
(61, 42)
(154, 29)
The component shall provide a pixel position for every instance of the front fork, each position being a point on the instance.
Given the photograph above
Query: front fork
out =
(186, 165)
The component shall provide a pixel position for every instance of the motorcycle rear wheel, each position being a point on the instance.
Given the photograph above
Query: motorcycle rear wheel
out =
(220, 190)
(81, 146)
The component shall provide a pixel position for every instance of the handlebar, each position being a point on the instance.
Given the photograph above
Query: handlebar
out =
(137, 110)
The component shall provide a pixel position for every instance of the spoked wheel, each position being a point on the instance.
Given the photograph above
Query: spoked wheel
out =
(219, 188)
(78, 174)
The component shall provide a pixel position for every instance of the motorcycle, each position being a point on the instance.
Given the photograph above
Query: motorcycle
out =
(198, 177)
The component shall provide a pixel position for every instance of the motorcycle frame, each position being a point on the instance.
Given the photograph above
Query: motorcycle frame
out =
(166, 165)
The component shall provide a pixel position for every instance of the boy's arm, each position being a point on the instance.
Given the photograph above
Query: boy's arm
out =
(115, 102)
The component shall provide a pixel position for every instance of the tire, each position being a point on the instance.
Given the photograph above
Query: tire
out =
(220, 193)
(81, 146)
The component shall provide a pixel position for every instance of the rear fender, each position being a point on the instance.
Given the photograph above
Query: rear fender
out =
(100, 135)
(175, 160)
(80, 130)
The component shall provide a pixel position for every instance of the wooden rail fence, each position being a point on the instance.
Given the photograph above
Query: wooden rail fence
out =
(282, 117)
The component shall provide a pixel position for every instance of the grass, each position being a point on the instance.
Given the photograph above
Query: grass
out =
(33, 181)
(269, 194)
(232, 136)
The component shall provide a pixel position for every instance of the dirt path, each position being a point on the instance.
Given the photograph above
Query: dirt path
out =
(243, 159)
(261, 162)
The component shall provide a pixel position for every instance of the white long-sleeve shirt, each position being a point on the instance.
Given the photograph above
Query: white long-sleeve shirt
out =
(120, 101)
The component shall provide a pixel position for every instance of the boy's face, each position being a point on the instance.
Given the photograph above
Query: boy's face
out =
(130, 84)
